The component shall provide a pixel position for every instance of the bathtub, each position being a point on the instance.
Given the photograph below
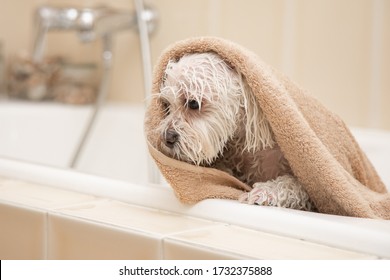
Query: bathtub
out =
(49, 133)
(38, 141)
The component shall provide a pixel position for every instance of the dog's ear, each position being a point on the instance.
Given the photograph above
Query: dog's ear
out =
(257, 128)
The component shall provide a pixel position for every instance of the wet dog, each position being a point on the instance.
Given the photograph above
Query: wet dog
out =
(212, 119)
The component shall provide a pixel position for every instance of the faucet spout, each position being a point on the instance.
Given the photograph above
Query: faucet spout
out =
(89, 23)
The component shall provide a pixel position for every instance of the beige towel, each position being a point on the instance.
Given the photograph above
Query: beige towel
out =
(322, 152)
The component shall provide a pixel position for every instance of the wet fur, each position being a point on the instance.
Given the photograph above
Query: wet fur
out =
(213, 119)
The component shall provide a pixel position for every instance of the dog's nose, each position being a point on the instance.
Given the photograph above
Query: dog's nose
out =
(170, 138)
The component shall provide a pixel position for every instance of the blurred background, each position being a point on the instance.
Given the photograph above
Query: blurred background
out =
(339, 50)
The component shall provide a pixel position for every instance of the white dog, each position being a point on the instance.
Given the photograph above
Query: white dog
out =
(212, 119)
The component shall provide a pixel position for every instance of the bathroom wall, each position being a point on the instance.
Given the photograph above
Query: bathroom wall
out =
(338, 50)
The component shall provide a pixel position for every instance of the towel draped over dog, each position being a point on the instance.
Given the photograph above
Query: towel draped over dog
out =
(319, 147)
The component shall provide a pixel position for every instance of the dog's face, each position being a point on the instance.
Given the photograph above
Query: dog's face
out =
(201, 97)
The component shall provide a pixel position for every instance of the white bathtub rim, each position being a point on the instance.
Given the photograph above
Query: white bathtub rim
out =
(360, 235)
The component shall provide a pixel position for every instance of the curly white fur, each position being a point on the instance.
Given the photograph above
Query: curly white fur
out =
(213, 119)
(285, 191)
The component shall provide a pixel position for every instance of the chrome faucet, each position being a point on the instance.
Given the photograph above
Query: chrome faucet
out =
(89, 23)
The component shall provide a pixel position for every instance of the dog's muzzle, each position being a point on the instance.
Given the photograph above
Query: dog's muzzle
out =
(170, 137)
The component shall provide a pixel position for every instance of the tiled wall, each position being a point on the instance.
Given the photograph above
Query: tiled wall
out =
(338, 50)
(40, 222)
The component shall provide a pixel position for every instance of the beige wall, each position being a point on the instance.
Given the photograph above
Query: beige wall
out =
(339, 50)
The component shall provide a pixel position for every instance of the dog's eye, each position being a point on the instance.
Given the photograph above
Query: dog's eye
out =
(193, 104)
(165, 106)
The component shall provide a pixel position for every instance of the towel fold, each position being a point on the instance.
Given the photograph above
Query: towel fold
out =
(319, 147)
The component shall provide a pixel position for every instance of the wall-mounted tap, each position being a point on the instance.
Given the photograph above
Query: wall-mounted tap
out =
(89, 23)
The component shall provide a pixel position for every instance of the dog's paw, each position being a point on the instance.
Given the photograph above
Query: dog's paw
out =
(261, 194)
(285, 191)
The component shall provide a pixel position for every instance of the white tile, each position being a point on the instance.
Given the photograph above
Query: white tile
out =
(251, 244)
(138, 218)
(43, 197)
(182, 250)
(74, 238)
(22, 233)
(108, 229)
